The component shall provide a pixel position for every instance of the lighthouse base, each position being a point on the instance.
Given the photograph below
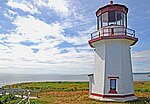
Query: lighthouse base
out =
(115, 98)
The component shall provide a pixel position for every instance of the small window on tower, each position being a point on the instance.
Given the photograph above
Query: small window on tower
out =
(113, 86)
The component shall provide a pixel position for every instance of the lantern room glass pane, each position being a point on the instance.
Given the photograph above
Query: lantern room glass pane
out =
(99, 22)
(120, 18)
(118, 15)
(111, 16)
(105, 19)
(125, 19)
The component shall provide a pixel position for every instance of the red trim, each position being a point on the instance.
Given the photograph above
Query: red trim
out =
(112, 91)
(114, 37)
(111, 8)
(95, 39)
(111, 96)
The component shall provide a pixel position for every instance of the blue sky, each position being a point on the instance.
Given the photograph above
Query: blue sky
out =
(51, 36)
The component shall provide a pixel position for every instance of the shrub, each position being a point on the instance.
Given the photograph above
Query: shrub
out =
(12, 96)
(4, 99)
(141, 83)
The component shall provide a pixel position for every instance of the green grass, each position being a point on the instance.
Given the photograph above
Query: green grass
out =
(142, 86)
(53, 86)
(76, 93)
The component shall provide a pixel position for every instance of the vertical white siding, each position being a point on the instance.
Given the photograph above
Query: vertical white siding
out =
(98, 85)
(112, 59)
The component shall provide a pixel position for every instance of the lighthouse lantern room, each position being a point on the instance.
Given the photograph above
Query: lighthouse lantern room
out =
(112, 78)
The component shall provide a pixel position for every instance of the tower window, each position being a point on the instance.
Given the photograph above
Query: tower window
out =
(113, 86)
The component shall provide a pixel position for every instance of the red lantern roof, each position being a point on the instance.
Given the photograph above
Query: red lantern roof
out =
(111, 7)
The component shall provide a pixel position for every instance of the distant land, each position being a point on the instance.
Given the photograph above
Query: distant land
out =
(141, 73)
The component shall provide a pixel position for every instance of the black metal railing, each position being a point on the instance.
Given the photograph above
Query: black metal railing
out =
(113, 32)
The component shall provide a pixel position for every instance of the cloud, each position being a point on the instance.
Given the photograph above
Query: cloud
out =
(53, 35)
(31, 33)
(141, 56)
(34, 42)
(38, 31)
(61, 7)
(2, 47)
(10, 14)
(141, 61)
(25, 6)
(35, 29)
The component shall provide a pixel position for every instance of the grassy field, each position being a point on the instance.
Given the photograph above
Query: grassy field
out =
(76, 93)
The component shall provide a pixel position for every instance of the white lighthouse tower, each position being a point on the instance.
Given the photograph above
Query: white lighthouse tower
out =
(112, 78)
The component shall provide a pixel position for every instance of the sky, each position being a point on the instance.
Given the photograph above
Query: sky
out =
(51, 36)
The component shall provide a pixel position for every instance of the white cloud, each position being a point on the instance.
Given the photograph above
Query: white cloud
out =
(141, 61)
(48, 36)
(59, 6)
(77, 40)
(142, 56)
(2, 47)
(70, 15)
(10, 14)
(25, 6)
(36, 30)
(23, 57)
(15, 38)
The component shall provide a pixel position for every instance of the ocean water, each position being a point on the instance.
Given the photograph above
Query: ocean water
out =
(6, 79)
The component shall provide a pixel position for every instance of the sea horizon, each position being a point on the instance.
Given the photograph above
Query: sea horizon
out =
(9, 78)
(64, 74)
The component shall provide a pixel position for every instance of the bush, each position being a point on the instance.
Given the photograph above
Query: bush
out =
(12, 96)
(6, 98)
(141, 83)
(145, 90)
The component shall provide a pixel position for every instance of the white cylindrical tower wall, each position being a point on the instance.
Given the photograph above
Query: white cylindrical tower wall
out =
(98, 85)
(112, 60)
(118, 65)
